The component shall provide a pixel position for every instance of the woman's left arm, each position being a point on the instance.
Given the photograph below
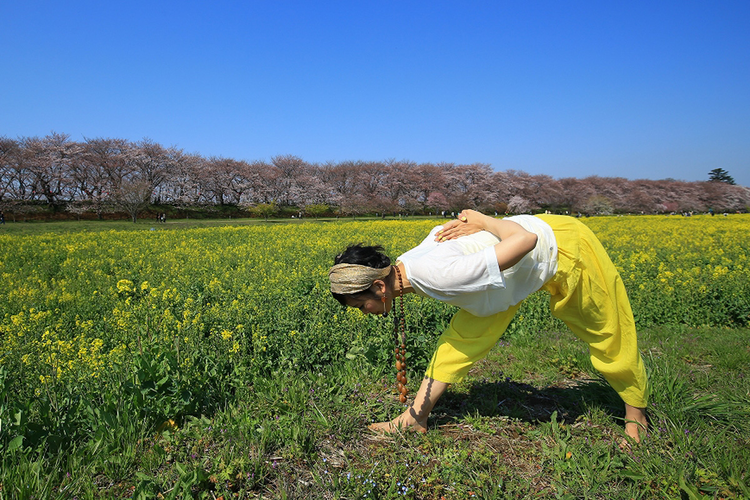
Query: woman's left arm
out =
(515, 241)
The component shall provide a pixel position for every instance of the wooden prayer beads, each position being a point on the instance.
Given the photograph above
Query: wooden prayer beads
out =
(401, 373)
(399, 327)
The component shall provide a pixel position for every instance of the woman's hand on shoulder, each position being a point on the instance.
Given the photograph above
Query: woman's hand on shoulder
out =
(468, 222)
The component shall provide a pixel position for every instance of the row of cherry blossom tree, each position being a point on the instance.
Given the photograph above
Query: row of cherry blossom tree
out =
(98, 174)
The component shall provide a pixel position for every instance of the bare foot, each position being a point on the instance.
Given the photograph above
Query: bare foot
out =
(636, 424)
(634, 430)
(404, 422)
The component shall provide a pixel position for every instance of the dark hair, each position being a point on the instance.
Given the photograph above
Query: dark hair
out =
(364, 255)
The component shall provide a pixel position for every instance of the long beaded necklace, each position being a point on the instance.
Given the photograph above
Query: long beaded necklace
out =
(399, 326)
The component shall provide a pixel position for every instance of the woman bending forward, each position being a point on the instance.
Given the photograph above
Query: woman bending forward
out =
(487, 266)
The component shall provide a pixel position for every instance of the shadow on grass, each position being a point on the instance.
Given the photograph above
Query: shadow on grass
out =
(507, 398)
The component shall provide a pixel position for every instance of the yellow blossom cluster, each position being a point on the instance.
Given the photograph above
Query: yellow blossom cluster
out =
(76, 308)
(691, 270)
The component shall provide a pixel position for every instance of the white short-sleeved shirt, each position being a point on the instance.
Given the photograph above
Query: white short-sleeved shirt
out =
(464, 272)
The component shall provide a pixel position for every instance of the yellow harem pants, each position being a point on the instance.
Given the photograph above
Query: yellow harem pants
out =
(587, 293)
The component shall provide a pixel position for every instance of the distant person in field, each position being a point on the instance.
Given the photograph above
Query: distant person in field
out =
(487, 267)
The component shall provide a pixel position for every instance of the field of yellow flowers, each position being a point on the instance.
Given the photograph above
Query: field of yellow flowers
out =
(165, 324)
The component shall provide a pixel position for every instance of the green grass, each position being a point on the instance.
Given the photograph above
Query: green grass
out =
(532, 420)
(508, 430)
(148, 224)
(58, 227)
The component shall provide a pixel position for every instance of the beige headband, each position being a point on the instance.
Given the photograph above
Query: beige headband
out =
(354, 278)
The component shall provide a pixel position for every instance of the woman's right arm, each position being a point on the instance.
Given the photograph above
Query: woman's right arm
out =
(515, 241)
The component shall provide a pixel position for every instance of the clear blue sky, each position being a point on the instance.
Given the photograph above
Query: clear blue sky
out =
(633, 89)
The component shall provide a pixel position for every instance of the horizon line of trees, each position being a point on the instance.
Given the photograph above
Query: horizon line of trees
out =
(100, 175)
